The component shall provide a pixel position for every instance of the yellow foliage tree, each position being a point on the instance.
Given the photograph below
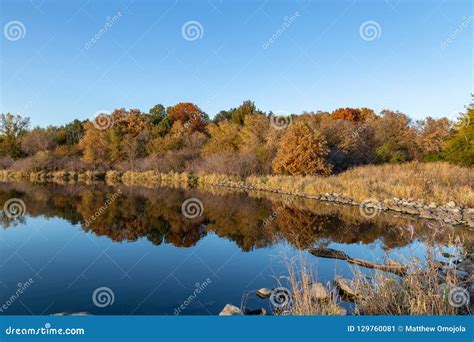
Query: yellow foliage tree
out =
(225, 138)
(301, 152)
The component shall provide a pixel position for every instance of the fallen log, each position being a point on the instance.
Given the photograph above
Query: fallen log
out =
(329, 253)
(336, 254)
(397, 269)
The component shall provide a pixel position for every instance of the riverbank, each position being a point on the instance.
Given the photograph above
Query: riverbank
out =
(437, 191)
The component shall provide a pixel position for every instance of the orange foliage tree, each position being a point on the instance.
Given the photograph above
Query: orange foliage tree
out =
(302, 152)
(354, 115)
(189, 115)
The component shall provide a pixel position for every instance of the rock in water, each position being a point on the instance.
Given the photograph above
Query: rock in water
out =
(231, 310)
(264, 293)
(319, 292)
(344, 285)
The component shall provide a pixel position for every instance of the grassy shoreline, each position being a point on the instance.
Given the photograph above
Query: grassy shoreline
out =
(432, 190)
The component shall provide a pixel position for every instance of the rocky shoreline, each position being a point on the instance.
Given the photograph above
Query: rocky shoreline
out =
(450, 213)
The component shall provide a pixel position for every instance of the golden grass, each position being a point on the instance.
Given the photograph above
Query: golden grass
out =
(433, 182)
(421, 292)
(300, 279)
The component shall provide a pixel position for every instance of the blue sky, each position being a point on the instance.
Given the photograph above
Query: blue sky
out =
(419, 62)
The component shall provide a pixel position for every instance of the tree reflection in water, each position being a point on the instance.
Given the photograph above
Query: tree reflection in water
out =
(252, 220)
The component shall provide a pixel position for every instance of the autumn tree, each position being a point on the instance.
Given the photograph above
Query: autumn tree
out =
(96, 146)
(431, 137)
(224, 138)
(123, 138)
(395, 138)
(38, 139)
(254, 136)
(354, 115)
(12, 127)
(189, 115)
(460, 145)
(302, 152)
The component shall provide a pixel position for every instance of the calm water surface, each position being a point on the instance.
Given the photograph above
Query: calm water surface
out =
(135, 241)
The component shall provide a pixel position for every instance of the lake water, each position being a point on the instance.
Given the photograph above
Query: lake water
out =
(137, 243)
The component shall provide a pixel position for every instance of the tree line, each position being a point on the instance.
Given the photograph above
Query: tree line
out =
(240, 141)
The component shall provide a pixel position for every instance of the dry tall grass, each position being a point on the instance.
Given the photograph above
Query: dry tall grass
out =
(433, 182)
(303, 302)
(421, 292)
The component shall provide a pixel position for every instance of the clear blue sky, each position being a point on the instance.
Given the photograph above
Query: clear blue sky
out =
(319, 62)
